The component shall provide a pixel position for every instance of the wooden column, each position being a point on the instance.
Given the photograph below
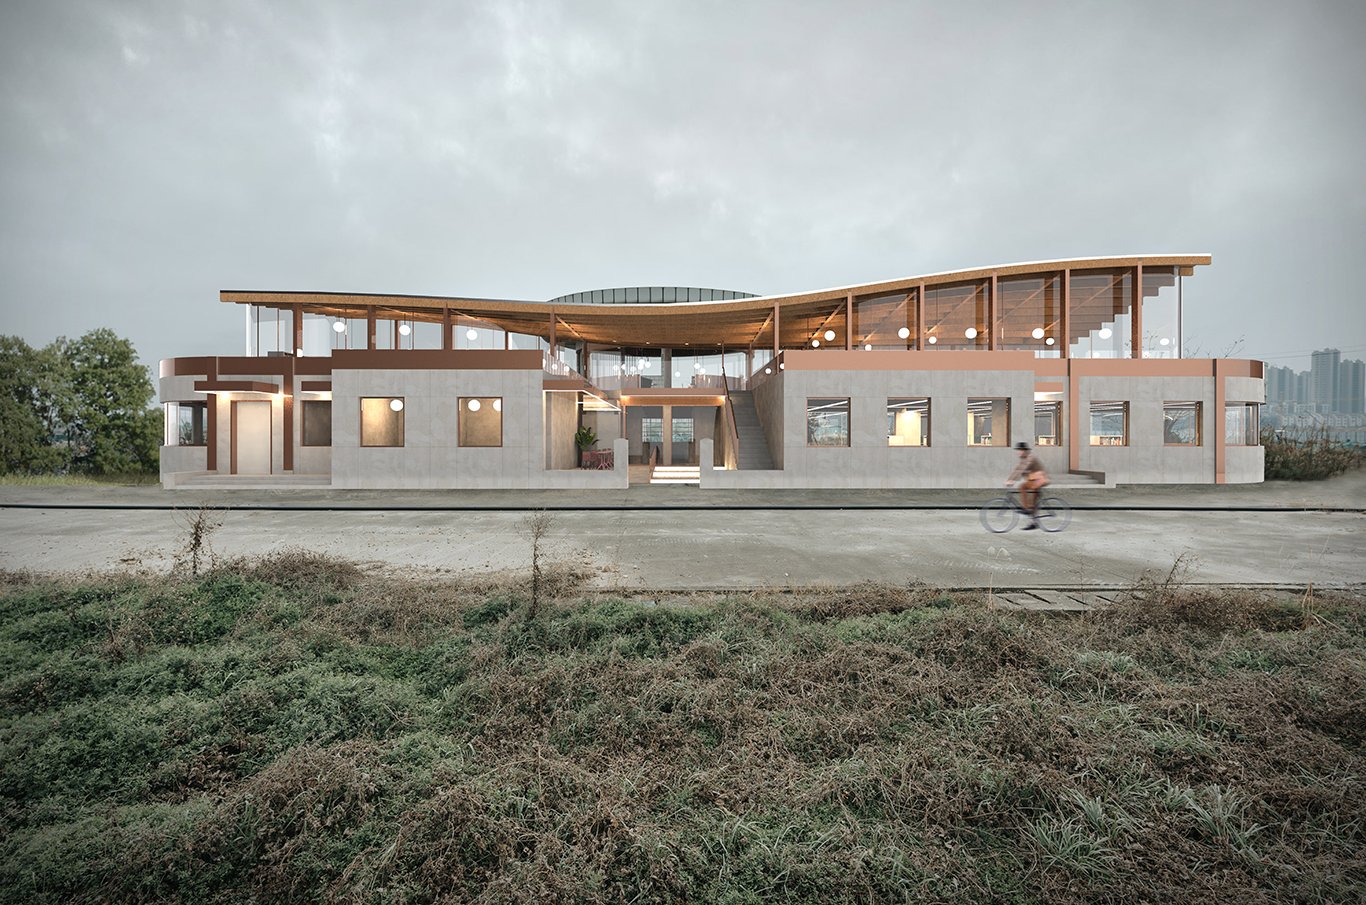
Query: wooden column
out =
(446, 330)
(211, 432)
(992, 315)
(920, 318)
(552, 332)
(1073, 418)
(777, 347)
(370, 327)
(849, 322)
(298, 329)
(1137, 319)
(287, 379)
(1066, 338)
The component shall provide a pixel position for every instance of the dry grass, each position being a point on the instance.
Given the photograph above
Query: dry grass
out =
(294, 729)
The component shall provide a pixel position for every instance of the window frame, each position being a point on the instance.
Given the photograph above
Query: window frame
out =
(464, 415)
(1251, 428)
(402, 416)
(1198, 410)
(1091, 422)
(828, 400)
(1056, 406)
(304, 406)
(972, 424)
(897, 404)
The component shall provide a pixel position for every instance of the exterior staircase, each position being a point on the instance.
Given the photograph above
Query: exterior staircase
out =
(753, 444)
(676, 474)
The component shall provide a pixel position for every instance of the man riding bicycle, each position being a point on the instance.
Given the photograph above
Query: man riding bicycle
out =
(1035, 476)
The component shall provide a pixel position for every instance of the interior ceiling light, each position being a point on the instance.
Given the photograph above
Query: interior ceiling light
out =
(299, 353)
(816, 343)
(904, 332)
(1164, 341)
(768, 370)
(829, 335)
(933, 340)
(404, 329)
(1038, 333)
(970, 333)
(396, 404)
(471, 334)
(339, 326)
(867, 347)
(678, 374)
(1049, 341)
(497, 405)
(1105, 333)
(474, 405)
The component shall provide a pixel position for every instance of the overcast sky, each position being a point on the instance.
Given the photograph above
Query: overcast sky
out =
(153, 153)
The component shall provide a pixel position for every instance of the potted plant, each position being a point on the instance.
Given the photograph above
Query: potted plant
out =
(584, 439)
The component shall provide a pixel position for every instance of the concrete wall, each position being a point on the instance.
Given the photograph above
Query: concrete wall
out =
(768, 402)
(1147, 460)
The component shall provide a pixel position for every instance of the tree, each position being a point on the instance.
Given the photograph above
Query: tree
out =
(33, 393)
(110, 429)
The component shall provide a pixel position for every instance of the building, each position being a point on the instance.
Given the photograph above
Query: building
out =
(919, 382)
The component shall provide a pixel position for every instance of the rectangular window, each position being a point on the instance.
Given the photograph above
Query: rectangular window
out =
(317, 422)
(989, 422)
(827, 422)
(1048, 424)
(652, 430)
(908, 422)
(1181, 423)
(1242, 424)
(481, 421)
(1109, 424)
(381, 421)
(682, 430)
(185, 423)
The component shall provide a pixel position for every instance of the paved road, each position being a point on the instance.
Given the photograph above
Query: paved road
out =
(708, 548)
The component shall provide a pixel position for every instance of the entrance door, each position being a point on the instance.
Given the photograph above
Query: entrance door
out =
(251, 438)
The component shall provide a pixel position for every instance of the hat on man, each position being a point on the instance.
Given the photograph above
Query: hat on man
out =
(1022, 445)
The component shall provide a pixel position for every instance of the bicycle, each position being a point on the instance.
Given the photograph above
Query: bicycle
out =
(1000, 515)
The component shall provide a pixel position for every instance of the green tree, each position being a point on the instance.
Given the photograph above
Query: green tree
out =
(34, 397)
(110, 428)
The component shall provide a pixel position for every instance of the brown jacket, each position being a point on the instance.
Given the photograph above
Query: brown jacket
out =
(1026, 467)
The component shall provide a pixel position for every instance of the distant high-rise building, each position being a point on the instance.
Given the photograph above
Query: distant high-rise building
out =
(1324, 367)
(1352, 387)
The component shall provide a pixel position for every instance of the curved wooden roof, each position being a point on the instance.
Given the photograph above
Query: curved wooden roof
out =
(735, 323)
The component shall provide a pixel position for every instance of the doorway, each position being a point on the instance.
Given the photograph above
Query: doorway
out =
(251, 450)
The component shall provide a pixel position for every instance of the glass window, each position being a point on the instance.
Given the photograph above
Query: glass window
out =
(886, 322)
(956, 316)
(481, 421)
(652, 430)
(1241, 424)
(1030, 314)
(827, 422)
(1161, 312)
(1101, 313)
(682, 429)
(1047, 423)
(989, 422)
(185, 423)
(381, 421)
(317, 422)
(1181, 423)
(1109, 424)
(908, 422)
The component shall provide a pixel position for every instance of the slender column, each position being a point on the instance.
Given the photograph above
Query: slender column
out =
(287, 379)
(1220, 422)
(211, 429)
(1066, 338)
(298, 328)
(446, 344)
(1073, 418)
(370, 327)
(552, 332)
(777, 347)
(667, 442)
(992, 321)
(849, 322)
(920, 318)
(394, 327)
(1137, 320)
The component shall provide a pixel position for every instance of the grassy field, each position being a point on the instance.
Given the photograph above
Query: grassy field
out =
(80, 480)
(294, 730)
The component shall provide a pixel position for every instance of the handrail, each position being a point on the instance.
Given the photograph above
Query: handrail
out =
(730, 414)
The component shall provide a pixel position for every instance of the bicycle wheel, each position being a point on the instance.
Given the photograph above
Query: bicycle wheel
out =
(999, 515)
(1054, 514)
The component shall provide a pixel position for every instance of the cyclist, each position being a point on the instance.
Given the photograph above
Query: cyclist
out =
(1035, 476)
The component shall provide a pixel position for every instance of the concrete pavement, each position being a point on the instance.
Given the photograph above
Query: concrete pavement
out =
(794, 538)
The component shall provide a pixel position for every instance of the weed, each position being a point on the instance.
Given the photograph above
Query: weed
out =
(197, 527)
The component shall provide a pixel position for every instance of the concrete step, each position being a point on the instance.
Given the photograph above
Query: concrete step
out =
(676, 474)
(252, 481)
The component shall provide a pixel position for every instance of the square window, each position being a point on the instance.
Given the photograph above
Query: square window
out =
(652, 430)
(381, 421)
(683, 430)
(317, 422)
(1048, 424)
(989, 422)
(481, 421)
(908, 421)
(1181, 423)
(1109, 424)
(1242, 424)
(827, 422)
(185, 423)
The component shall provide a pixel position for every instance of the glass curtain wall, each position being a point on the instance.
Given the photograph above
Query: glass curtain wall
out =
(1029, 310)
(1101, 318)
(886, 322)
(821, 329)
(1161, 312)
(270, 331)
(956, 316)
